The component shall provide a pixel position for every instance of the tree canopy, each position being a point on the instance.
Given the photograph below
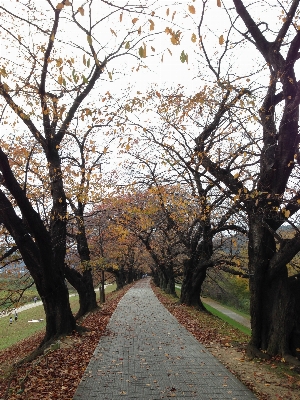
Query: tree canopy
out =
(99, 177)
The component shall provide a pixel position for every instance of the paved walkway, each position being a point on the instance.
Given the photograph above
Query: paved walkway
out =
(147, 355)
(224, 310)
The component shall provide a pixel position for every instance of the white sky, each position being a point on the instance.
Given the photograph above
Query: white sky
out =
(169, 73)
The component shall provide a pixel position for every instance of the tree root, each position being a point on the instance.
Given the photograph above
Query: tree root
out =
(294, 361)
(80, 317)
(254, 352)
(49, 345)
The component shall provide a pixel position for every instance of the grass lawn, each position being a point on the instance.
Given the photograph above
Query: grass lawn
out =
(230, 321)
(223, 317)
(243, 314)
(14, 333)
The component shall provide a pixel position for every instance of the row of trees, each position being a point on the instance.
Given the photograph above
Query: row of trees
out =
(50, 125)
(210, 166)
(234, 147)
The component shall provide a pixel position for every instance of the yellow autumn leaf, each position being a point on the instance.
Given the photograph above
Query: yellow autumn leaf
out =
(221, 40)
(287, 213)
(60, 80)
(113, 32)
(105, 150)
(219, 3)
(192, 10)
(68, 3)
(193, 38)
(81, 10)
(142, 51)
(167, 12)
(127, 147)
(59, 62)
(134, 20)
(151, 25)
(236, 175)
(60, 6)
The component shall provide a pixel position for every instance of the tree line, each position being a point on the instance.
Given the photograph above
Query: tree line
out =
(201, 168)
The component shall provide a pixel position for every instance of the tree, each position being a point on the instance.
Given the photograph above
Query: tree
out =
(274, 313)
(45, 97)
(196, 207)
(268, 193)
(83, 186)
(114, 248)
(251, 152)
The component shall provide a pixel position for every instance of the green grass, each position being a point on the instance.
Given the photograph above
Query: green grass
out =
(243, 314)
(229, 320)
(17, 331)
(223, 317)
(11, 334)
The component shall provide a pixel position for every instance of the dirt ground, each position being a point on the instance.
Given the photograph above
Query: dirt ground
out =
(269, 380)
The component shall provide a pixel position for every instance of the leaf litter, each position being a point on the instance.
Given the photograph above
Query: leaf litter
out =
(270, 379)
(57, 375)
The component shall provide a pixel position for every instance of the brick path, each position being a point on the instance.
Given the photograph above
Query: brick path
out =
(148, 355)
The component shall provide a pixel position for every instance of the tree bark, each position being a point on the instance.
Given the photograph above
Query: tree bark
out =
(129, 278)
(102, 288)
(170, 281)
(120, 278)
(193, 277)
(43, 267)
(83, 283)
(273, 307)
(59, 317)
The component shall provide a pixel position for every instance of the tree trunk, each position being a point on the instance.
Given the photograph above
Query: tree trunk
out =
(102, 288)
(120, 278)
(274, 318)
(162, 279)
(83, 283)
(156, 279)
(170, 281)
(59, 317)
(45, 268)
(294, 288)
(129, 278)
(193, 278)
